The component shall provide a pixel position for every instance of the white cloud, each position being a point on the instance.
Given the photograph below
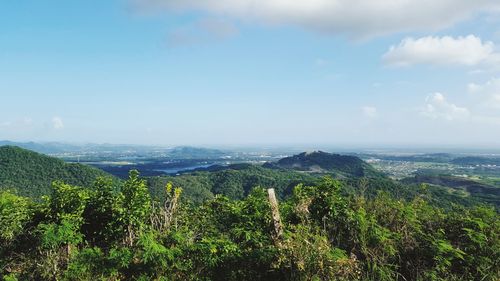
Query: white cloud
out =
(437, 107)
(488, 93)
(369, 111)
(57, 123)
(469, 51)
(356, 18)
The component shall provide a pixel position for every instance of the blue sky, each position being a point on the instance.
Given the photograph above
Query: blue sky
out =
(247, 72)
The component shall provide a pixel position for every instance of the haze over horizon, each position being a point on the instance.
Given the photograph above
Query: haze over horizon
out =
(251, 72)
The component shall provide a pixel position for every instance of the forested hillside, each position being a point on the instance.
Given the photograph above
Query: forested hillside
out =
(468, 187)
(31, 174)
(323, 162)
(234, 181)
(102, 233)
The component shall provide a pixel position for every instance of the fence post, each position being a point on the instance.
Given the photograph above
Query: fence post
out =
(278, 227)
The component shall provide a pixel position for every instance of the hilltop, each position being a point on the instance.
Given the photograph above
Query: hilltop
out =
(323, 162)
(235, 181)
(32, 173)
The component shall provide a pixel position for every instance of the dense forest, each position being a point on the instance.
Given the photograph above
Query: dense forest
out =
(323, 162)
(237, 181)
(110, 232)
(31, 174)
(234, 181)
(480, 191)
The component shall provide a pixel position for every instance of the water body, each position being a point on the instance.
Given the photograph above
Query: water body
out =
(176, 170)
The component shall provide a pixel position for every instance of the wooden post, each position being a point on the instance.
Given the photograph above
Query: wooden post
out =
(278, 228)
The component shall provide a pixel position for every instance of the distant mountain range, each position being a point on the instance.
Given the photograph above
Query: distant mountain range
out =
(188, 152)
(57, 147)
(46, 148)
(179, 152)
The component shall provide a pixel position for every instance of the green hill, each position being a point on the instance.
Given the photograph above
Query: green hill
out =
(234, 181)
(323, 162)
(31, 173)
(237, 180)
(467, 187)
(188, 152)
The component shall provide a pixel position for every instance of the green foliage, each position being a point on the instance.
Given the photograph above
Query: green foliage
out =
(134, 206)
(15, 213)
(102, 225)
(323, 162)
(67, 202)
(464, 191)
(10, 277)
(235, 182)
(108, 233)
(308, 255)
(56, 235)
(31, 174)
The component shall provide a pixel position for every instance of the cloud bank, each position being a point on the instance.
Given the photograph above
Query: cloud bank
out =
(488, 92)
(57, 123)
(438, 107)
(354, 18)
(468, 51)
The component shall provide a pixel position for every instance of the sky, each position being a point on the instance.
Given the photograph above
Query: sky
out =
(250, 72)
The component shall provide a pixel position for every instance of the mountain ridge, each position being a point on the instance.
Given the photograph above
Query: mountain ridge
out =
(31, 173)
(321, 162)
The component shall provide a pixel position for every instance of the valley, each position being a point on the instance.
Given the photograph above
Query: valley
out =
(467, 179)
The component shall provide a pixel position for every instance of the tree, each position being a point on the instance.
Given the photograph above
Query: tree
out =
(134, 207)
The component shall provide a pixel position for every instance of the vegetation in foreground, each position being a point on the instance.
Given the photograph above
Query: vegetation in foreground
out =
(109, 233)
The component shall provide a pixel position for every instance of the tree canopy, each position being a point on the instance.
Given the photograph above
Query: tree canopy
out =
(105, 233)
